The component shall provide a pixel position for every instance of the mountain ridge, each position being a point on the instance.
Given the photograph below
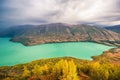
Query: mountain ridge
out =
(59, 32)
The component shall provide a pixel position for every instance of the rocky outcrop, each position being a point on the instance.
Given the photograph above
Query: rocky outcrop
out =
(58, 32)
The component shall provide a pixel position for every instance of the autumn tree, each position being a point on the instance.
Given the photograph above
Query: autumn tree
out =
(67, 69)
(26, 72)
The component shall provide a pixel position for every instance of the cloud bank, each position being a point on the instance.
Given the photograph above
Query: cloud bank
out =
(105, 12)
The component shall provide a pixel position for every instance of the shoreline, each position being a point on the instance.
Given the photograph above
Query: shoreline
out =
(107, 43)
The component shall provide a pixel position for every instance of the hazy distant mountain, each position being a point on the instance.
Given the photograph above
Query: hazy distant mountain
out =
(58, 32)
(115, 28)
(1, 29)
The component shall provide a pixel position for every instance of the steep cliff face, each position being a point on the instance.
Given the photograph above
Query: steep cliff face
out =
(58, 32)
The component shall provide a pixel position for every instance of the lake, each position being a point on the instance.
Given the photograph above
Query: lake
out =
(15, 53)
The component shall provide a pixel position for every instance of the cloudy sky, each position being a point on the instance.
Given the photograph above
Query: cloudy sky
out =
(15, 12)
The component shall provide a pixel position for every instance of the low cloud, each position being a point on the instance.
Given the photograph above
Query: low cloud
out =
(15, 12)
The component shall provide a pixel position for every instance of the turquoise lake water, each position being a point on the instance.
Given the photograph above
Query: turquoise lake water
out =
(14, 53)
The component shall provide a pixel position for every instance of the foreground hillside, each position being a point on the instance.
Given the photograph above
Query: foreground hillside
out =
(58, 32)
(103, 67)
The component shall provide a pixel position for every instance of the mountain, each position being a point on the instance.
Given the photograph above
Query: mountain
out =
(115, 28)
(59, 32)
(2, 29)
(103, 67)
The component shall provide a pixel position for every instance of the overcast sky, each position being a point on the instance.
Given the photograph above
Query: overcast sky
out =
(15, 12)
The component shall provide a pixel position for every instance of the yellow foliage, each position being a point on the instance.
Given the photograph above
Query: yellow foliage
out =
(68, 69)
(26, 72)
(7, 78)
